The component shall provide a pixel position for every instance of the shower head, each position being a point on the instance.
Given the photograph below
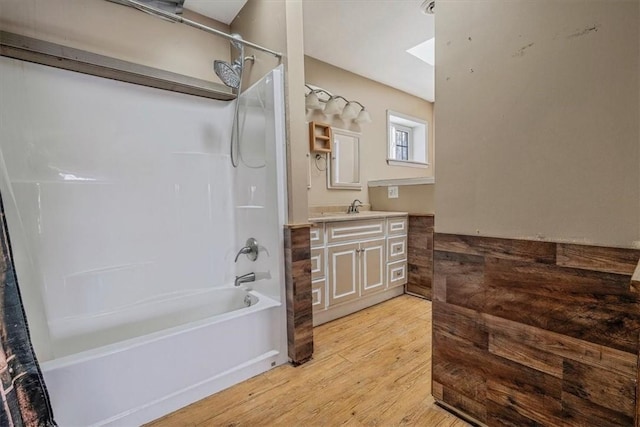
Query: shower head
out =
(230, 74)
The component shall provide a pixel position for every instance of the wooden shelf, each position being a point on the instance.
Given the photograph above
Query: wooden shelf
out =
(320, 137)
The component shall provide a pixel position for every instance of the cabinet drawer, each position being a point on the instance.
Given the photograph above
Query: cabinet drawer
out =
(318, 290)
(317, 263)
(317, 235)
(396, 274)
(354, 230)
(396, 248)
(397, 226)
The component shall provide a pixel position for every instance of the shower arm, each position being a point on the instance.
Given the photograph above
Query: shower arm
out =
(177, 18)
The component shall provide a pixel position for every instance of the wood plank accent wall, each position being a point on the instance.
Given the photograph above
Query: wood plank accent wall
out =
(420, 255)
(529, 333)
(297, 248)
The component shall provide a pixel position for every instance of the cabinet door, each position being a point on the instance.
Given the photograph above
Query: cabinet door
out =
(318, 295)
(372, 260)
(317, 235)
(343, 273)
(317, 263)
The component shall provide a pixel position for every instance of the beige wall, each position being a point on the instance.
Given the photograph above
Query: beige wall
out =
(377, 98)
(120, 32)
(538, 120)
(277, 24)
(415, 199)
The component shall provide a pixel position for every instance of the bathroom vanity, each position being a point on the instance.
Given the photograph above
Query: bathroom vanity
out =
(357, 260)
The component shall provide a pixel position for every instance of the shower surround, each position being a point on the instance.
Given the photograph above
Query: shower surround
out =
(125, 217)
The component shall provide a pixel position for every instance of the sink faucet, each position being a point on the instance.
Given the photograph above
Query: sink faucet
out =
(249, 277)
(353, 208)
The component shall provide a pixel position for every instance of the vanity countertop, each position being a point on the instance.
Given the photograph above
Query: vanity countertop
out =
(342, 216)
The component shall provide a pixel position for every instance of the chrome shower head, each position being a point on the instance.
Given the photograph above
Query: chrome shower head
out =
(230, 74)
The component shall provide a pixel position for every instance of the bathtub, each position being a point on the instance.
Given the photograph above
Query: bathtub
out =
(143, 370)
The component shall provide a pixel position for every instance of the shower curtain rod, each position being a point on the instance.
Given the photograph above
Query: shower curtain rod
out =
(177, 18)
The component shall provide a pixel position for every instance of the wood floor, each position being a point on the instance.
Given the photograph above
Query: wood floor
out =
(372, 368)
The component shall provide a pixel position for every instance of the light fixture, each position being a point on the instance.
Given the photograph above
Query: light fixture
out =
(312, 102)
(320, 99)
(333, 105)
(363, 117)
(350, 111)
(428, 7)
(356, 111)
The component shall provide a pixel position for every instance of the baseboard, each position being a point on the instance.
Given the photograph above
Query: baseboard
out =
(342, 310)
(466, 418)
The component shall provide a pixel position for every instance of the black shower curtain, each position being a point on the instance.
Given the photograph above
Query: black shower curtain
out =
(25, 401)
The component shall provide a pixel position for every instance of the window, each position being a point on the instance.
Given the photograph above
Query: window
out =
(401, 137)
(407, 140)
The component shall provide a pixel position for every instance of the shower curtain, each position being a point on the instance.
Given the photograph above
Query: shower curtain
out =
(25, 401)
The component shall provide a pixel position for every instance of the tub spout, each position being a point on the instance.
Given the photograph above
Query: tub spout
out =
(249, 277)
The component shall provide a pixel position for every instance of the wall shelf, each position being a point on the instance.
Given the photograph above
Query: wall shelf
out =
(59, 56)
(320, 137)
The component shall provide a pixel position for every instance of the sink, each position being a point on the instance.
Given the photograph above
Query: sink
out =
(336, 214)
(352, 216)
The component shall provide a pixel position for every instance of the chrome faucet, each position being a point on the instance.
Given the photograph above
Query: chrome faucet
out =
(249, 277)
(250, 249)
(353, 208)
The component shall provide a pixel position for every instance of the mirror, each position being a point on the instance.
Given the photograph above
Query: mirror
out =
(344, 165)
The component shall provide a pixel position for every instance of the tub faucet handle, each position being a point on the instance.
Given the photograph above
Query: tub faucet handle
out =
(250, 249)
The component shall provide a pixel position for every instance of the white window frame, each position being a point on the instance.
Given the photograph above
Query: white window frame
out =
(418, 133)
(393, 128)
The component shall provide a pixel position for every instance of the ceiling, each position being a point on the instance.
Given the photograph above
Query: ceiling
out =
(220, 10)
(370, 38)
(366, 37)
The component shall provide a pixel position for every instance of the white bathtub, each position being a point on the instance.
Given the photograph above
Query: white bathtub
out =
(135, 379)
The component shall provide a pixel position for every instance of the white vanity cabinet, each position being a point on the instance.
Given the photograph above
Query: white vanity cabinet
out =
(365, 262)
(355, 268)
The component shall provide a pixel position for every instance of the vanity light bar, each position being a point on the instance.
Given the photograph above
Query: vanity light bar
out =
(329, 104)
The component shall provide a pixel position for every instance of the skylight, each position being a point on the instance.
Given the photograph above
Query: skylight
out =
(425, 51)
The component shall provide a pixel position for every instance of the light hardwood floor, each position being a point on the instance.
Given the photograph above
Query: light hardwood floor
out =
(372, 368)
